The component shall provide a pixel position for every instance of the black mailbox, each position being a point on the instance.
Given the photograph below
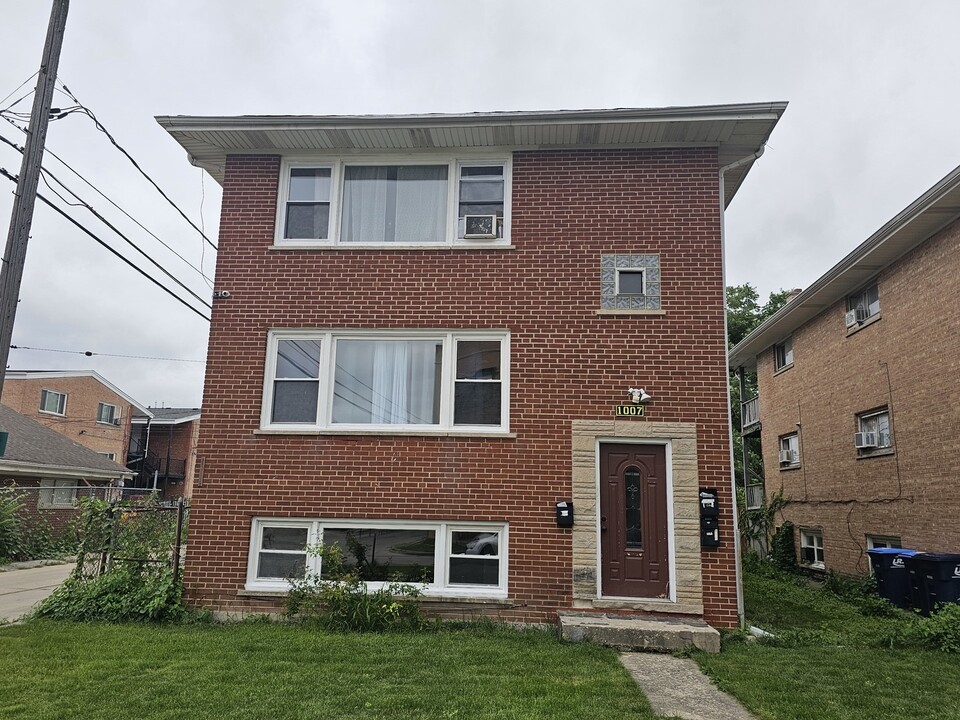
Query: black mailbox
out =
(565, 514)
(709, 518)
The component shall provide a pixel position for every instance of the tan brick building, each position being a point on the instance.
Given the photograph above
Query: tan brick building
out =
(859, 393)
(425, 326)
(79, 404)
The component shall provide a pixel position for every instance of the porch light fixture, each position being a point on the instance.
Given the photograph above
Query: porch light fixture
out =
(639, 395)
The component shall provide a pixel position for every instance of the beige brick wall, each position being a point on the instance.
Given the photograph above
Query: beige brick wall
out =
(909, 360)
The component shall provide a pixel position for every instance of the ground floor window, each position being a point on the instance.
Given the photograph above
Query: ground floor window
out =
(450, 558)
(57, 494)
(811, 548)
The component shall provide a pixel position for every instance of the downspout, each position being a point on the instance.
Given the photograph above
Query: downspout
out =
(733, 478)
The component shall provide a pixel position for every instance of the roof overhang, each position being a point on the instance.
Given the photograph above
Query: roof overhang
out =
(927, 215)
(13, 467)
(154, 421)
(737, 131)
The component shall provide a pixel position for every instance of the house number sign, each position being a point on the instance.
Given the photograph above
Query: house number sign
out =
(629, 410)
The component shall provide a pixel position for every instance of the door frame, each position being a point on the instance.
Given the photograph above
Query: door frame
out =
(671, 532)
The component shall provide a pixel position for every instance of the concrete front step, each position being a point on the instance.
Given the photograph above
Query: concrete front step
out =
(639, 632)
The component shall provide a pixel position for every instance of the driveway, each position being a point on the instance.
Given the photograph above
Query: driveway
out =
(20, 590)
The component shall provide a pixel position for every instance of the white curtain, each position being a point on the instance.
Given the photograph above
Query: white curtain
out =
(364, 204)
(406, 204)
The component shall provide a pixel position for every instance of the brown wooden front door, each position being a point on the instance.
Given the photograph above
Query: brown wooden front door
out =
(634, 550)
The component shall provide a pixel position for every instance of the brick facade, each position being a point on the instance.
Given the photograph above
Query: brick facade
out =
(907, 360)
(568, 363)
(79, 423)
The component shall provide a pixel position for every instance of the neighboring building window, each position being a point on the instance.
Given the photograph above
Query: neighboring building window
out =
(107, 413)
(392, 381)
(864, 304)
(877, 541)
(790, 450)
(54, 402)
(108, 456)
(440, 203)
(873, 432)
(447, 558)
(811, 548)
(783, 354)
(57, 494)
(630, 282)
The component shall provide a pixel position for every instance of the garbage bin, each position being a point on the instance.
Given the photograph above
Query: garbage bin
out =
(935, 579)
(893, 579)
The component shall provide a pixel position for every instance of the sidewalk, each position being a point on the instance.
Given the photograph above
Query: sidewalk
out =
(676, 687)
(23, 585)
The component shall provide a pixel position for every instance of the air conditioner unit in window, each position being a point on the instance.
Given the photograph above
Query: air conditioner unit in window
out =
(479, 227)
(788, 457)
(865, 440)
(851, 318)
(116, 421)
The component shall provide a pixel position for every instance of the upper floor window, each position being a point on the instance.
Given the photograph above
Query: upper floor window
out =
(107, 413)
(365, 203)
(862, 306)
(630, 282)
(873, 432)
(392, 381)
(783, 354)
(790, 450)
(54, 402)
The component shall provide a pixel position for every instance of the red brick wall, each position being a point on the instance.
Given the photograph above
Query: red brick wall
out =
(567, 362)
(183, 446)
(908, 360)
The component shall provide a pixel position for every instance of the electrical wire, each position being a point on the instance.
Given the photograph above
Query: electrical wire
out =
(48, 151)
(12, 178)
(89, 113)
(89, 353)
(44, 173)
(13, 92)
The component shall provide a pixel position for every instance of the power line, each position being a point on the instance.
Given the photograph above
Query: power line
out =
(88, 353)
(101, 128)
(97, 190)
(80, 202)
(13, 92)
(6, 174)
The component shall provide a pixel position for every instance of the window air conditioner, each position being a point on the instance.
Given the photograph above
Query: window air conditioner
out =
(787, 457)
(851, 318)
(865, 440)
(479, 227)
(116, 421)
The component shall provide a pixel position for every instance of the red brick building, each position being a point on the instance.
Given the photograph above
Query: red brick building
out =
(163, 451)
(423, 330)
(859, 401)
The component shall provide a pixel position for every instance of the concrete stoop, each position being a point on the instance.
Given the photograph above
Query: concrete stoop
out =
(639, 632)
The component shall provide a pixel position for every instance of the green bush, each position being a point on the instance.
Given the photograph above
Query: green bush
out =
(941, 631)
(118, 596)
(782, 549)
(11, 533)
(341, 601)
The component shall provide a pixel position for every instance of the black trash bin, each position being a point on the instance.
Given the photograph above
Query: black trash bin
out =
(893, 580)
(935, 579)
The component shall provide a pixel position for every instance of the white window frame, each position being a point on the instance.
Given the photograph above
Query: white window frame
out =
(791, 442)
(328, 339)
(116, 413)
(862, 418)
(337, 165)
(47, 496)
(806, 536)
(881, 541)
(61, 404)
(783, 354)
(440, 587)
(108, 455)
(632, 271)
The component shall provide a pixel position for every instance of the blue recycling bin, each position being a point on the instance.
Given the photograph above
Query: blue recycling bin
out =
(935, 579)
(893, 579)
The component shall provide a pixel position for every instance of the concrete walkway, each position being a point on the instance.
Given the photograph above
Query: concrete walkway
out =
(23, 587)
(676, 687)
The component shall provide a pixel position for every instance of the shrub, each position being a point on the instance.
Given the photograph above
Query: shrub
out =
(941, 630)
(341, 601)
(782, 549)
(117, 596)
(11, 533)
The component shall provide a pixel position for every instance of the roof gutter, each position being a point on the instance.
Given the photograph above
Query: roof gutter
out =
(733, 477)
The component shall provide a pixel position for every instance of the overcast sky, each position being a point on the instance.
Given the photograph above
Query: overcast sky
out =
(872, 124)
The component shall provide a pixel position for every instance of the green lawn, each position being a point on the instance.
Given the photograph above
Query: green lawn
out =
(831, 662)
(90, 671)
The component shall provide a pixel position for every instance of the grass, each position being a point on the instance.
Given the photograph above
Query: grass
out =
(262, 670)
(829, 661)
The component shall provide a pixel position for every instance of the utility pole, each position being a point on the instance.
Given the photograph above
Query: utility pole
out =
(26, 194)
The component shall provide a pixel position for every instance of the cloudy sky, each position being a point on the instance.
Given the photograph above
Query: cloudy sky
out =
(872, 123)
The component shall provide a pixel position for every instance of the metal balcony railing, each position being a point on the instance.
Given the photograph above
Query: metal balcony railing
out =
(754, 497)
(749, 413)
